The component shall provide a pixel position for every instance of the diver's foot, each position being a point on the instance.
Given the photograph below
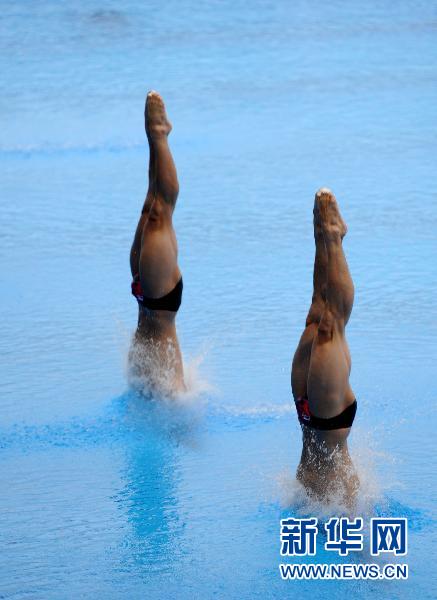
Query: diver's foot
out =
(328, 215)
(155, 118)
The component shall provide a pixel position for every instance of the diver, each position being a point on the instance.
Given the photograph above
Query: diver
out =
(155, 357)
(323, 397)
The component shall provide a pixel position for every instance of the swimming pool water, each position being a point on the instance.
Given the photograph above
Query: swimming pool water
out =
(105, 495)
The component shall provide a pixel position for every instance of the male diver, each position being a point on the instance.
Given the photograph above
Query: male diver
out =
(155, 357)
(324, 400)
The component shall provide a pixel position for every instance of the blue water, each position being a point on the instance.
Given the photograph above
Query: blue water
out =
(104, 495)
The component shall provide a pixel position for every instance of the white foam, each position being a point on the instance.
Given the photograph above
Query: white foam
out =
(372, 491)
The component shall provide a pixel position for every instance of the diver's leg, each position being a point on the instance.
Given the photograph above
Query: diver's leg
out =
(328, 377)
(151, 192)
(301, 359)
(340, 288)
(163, 180)
(135, 250)
(319, 274)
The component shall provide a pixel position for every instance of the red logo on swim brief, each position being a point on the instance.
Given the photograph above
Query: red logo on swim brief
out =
(303, 409)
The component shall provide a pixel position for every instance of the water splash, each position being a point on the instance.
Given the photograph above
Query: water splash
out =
(372, 494)
(152, 399)
(154, 368)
